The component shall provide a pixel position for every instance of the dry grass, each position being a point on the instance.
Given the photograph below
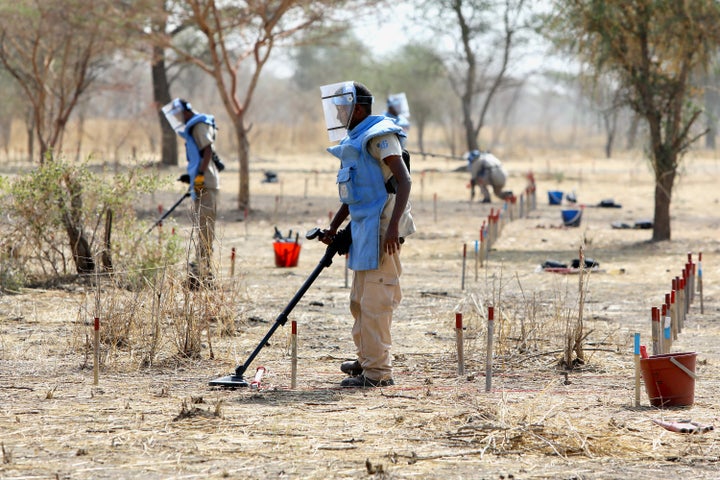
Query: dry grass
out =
(153, 416)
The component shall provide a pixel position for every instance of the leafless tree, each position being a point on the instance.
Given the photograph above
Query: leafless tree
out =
(55, 50)
(485, 34)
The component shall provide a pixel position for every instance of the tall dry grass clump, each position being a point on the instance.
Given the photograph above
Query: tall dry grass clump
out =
(528, 325)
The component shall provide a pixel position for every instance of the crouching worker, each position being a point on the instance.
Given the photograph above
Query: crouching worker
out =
(203, 167)
(486, 170)
(374, 188)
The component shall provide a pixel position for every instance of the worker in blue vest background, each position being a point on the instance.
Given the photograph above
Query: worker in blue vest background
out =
(203, 167)
(398, 111)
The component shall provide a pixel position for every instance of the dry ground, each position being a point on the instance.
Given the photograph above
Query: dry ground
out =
(537, 422)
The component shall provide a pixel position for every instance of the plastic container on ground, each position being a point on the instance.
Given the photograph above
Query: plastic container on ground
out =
(555, 197)
(666, 383)
(287, 254)
(571, 218)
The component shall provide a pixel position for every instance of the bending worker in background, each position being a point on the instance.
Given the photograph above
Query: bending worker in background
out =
(486, 169)
(374, 187)
(199, 130)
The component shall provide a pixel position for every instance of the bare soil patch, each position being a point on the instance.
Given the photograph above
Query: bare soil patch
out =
(539, 421)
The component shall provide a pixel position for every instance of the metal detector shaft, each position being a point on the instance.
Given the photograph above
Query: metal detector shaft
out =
(170, 210)
(281, 319)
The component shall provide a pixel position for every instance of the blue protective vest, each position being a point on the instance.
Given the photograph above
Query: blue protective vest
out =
(361, 187)
(192, 152)
(399, 120)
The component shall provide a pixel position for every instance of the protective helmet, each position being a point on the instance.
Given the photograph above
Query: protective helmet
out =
(175, 113)
(339, 100)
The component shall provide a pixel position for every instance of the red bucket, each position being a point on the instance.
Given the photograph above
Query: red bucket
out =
(286, 254)
(670, 379)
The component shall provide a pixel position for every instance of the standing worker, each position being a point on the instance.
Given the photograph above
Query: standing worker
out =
(398, 110)
(203, 167)
(486, 169)
(374, 188)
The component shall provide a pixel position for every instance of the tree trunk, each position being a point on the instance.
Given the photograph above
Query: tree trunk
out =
(244, 158)
(632, 131)
(82, 256)
(610, 120)
(711, 136)
(71, 203)
(5, 128)
(30, 128)
(663, 192)
(711, 108)
(107, 243)
(161, 95)
(420, 128)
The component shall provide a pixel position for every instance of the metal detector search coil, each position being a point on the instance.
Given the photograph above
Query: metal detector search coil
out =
(340, 244)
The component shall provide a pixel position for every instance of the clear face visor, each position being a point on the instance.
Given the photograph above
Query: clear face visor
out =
(175, 114)
(399, 102)
(338, 102)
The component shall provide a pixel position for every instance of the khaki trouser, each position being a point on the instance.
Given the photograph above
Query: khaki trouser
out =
(374, 296)
(204, 214)
(494, 177)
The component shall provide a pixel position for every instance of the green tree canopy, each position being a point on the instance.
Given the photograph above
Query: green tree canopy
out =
(651, 48)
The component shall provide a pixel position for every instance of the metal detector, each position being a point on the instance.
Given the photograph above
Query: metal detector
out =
(339, 245)
(170, 210)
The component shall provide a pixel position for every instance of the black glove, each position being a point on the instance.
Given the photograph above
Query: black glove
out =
(218, 163)
(184, 178)
(342, 240)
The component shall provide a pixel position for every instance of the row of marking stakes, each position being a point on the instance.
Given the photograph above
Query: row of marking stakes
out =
(489, 350)
(492, 227)
(668, 320)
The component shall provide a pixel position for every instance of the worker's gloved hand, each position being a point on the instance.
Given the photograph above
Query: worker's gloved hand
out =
(199, 183)
(342, 240)
(184, 178)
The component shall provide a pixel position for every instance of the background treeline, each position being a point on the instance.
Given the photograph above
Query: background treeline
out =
(87, 79)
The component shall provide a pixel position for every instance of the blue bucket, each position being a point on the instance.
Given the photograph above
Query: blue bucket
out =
(555, 197)
(571, 218)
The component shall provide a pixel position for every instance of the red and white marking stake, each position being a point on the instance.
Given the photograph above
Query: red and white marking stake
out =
(674, 311)
(459, 339)
(700, 285)
(232, 262)
(636, 358)
(691, 279)
(293, 355)
(488, 359)
(464, 260)
(255, 384)
(477, 258)
(96, 356)
(656, 330)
